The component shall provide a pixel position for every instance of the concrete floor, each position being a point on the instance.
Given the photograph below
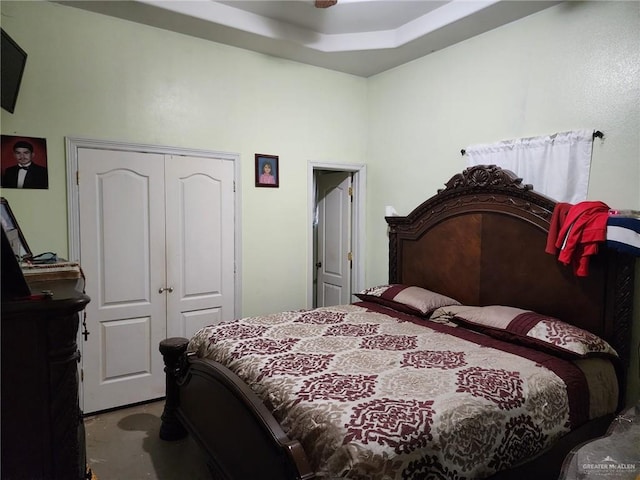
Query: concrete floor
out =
(124, 445)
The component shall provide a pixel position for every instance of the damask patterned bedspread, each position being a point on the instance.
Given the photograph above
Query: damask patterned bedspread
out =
(375, 394)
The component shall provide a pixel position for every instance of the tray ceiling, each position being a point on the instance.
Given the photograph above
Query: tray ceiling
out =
(360, 37)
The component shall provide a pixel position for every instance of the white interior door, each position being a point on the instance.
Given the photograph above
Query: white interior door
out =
(122, 225)
(157, 245)
(334, 239)
(200, 243)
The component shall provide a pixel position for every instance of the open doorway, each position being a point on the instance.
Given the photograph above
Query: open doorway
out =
(336, 207)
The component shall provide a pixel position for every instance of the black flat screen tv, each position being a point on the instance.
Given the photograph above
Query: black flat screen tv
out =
(12, 62)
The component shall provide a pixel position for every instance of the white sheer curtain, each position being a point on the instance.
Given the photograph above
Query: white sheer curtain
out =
(556, 165)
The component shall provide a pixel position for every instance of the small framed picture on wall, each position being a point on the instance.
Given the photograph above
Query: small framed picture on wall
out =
(267, 171)
(24, 162)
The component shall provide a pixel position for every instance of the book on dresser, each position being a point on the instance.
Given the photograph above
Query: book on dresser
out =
(59, 270)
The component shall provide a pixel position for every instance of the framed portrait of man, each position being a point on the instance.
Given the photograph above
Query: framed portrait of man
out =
(24, 162)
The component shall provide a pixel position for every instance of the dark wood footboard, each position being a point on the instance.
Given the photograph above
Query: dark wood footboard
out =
(173, 350)
(236, 431)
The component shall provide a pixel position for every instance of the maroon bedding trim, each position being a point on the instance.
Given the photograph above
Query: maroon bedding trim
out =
(571, 375)
(524, 322)
(394, 290)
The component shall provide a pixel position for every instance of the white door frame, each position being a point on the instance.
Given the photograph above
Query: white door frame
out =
(73, 207)
(358, 224)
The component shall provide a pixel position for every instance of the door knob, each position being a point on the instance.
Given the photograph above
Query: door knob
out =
(167, 289)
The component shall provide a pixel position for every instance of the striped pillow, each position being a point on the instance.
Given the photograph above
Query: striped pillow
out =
(527, 327)
(406, 299)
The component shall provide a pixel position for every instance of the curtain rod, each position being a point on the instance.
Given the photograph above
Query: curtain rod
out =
(596, 134)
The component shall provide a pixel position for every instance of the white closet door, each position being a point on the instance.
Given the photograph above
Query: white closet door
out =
(200, 243)
(122, 225)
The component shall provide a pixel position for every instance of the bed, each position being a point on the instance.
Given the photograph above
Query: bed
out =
(482, 357)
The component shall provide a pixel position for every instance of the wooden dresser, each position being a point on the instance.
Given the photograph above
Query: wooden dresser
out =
(42, 427)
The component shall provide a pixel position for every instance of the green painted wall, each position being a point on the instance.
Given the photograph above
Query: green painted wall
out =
(94, 76)
(572, 66)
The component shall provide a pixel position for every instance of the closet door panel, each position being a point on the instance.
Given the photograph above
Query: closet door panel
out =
(193, 321)
(122, 225)
(122, 190)
(200, 243)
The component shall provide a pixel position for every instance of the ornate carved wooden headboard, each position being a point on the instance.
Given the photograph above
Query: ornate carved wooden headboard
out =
(482, 241)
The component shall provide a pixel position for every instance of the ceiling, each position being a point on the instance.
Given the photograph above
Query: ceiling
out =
(360, 37)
